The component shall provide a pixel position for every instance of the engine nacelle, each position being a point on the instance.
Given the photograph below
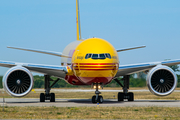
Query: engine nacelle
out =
(161, 80)
(18, 81)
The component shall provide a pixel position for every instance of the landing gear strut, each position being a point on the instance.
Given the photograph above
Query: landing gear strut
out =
(47, 95)
(125, 94)
(97, 98)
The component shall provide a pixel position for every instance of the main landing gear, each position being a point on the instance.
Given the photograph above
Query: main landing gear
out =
(47, 95)
(125, 94)
(97, 98)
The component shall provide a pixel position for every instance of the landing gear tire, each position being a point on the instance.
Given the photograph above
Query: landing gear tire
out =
(42, 97)
(99, 100)
(94, 99)
(52, 97)
(131, 96)
(120, 96)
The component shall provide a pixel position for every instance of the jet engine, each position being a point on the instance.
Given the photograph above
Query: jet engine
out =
(18, 81)
(161, 80)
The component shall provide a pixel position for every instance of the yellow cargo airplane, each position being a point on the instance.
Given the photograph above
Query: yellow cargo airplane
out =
(94, 62)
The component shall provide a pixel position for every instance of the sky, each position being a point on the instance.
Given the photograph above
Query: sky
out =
(51, 25)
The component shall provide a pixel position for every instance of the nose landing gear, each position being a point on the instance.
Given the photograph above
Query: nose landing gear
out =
(97, 98)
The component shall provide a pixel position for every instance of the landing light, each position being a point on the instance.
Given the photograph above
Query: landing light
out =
(95, 86)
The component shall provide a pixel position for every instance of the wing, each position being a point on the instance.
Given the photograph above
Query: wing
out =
(42, 51)
(134, 68)
(58, 71)
(125, 49)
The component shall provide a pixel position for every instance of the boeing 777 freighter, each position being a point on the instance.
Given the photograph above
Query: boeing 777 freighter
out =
(93, 61)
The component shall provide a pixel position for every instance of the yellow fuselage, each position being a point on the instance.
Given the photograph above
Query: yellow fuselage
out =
(94, 61)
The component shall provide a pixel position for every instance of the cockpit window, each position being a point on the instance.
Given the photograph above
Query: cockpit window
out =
(98, 56)
(88, 56)
(95, 56)
(108, 55)
(102, 56)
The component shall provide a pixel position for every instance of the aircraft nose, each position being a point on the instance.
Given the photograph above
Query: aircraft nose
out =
(95, 72)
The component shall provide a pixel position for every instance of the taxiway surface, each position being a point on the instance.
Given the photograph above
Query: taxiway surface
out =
(87, 102)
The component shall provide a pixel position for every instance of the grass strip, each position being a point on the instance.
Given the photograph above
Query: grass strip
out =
(90, 113)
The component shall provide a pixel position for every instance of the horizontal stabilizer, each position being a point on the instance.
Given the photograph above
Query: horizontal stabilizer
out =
(42, 51)
(119, 50)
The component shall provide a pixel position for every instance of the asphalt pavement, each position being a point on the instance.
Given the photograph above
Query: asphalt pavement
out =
(87, 103)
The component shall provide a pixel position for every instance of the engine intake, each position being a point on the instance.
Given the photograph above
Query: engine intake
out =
(161, 80)
(18, 81)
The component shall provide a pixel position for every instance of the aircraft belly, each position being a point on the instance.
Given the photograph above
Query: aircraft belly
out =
(90, 80)
(72, 79)
(94, 76)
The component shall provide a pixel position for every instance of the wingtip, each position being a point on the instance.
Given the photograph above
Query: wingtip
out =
(143, 46)
(9, 47)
